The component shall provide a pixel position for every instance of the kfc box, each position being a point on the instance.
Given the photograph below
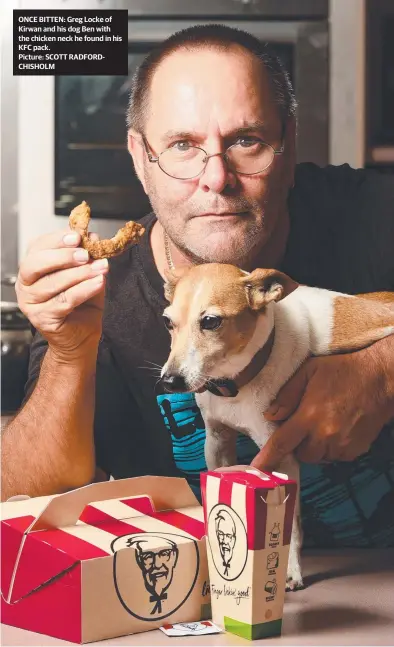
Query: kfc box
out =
(106, 560)
(248, 517)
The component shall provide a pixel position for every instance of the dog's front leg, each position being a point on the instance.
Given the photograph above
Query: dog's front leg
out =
(294, 581)
(220, 445)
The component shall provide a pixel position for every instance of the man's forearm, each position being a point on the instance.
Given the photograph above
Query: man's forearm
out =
(382, 352)
(49, 447)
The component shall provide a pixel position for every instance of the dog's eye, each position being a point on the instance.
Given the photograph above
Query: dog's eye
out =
(167, 322)
(210, 322)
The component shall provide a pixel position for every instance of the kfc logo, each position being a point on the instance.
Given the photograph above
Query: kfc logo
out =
(146, 575)
(227, 541)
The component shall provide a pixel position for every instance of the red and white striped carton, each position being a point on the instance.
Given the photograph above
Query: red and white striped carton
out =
(106, 560)
(248, 518)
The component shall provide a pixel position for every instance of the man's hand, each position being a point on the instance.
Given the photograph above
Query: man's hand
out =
(333, 408)
(62, 293)
(49, 446)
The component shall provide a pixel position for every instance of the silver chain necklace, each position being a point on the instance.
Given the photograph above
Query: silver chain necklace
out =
(167, 250)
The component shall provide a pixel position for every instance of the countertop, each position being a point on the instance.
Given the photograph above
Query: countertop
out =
(348, 600)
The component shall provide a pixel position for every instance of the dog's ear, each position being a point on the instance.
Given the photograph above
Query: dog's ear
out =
(172, 279)
(263, 286)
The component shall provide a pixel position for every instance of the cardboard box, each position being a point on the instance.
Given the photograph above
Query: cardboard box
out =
(249, 518)
(106, 560)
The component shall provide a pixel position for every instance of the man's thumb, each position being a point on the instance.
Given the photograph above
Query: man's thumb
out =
(289, 397)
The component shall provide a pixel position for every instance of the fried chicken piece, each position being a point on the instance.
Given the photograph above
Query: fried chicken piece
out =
(126, 236)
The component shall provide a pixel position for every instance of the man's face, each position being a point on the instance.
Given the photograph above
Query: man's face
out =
(204, 98)
(157, 568)
(226, 538)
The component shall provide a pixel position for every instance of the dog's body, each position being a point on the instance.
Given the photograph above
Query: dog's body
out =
(309, 321)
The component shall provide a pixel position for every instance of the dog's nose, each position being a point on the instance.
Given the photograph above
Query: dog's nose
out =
(174, 382)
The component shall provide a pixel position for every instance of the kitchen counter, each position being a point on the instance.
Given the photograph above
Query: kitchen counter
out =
(349, 600)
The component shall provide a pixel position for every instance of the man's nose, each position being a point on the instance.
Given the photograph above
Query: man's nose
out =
(217, 175)
(174, 382)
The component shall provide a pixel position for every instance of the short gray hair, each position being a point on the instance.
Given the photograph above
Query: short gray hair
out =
(218, 37)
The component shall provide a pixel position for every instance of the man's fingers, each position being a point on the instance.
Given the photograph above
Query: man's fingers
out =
(56, 240)
(289, 397)
(311, 450)
(65, 302)
(52, 284)
(42, 262)
(51, 253)
(283, 441)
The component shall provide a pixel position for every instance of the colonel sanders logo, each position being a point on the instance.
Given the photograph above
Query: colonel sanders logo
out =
(157, 566)
(154, 577)
(227, 541)
(226, 536)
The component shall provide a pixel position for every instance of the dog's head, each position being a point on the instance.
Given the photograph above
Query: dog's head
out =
(212, 316)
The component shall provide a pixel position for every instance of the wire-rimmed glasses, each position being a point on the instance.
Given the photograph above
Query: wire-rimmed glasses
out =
(182, 161)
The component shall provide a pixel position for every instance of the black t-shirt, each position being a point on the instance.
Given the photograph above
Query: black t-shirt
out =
(341, 238)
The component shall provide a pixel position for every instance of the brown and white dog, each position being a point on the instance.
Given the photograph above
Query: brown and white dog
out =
(243, 335)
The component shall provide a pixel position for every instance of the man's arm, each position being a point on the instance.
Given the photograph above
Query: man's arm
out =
(49, 448)
(333, 408)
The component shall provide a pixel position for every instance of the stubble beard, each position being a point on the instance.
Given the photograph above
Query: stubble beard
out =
(232, 249)
(199, 247)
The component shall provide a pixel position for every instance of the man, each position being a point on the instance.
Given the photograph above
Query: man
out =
(216, 96)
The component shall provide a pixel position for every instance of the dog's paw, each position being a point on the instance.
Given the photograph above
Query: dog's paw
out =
(294, 580)
(294, 583)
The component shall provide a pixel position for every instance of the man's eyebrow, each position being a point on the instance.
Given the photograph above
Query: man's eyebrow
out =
(192, 134)
(181, 134)
(255, 125)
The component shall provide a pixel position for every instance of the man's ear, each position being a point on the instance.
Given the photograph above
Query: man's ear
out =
(263, 286)
(136, 149)
(172, 279)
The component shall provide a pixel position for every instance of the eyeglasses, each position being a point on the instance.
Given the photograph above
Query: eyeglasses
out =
(181, 161)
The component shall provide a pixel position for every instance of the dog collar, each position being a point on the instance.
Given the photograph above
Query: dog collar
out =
(229, 388)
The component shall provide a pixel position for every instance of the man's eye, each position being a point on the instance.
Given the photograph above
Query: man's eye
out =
(168, 323)
(247, 142)
(211, 322)
(181, 146)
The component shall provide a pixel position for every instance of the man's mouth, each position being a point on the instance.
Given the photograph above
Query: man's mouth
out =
(222, 214)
